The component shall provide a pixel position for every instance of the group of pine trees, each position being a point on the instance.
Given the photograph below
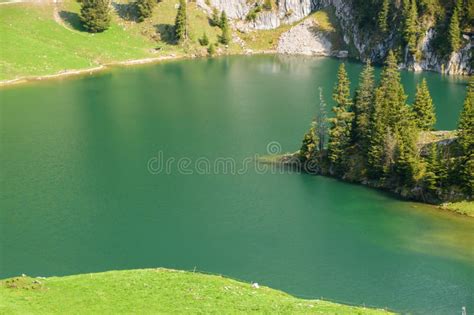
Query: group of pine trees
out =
(411, 18)
(95, 17)
(373, 137)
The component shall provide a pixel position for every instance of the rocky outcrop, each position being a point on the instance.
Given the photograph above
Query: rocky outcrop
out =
(286, 12)
(363, 45)
(304, 39)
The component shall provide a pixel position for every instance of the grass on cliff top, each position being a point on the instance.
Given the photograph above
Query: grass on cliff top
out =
(153, 291)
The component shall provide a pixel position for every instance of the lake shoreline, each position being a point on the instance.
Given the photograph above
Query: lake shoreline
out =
(72, 73)
(141, 61)
(463, 208)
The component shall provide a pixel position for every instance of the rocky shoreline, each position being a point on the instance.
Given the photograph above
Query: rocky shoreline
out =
(299, 41)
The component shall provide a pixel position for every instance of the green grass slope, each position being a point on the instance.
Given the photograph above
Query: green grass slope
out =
(153, 291)
(33, 43)
(43, 39)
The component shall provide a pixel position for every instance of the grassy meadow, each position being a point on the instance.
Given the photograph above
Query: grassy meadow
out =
(41, 39)
(154, 291)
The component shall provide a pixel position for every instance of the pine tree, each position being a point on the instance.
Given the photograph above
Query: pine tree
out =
(431, 178)
(390, 111)
(363, 108)
(144, 9)
(310, 145)
(407, 164)
(423, 107)
(180, 24)
(322, 121)
(383, 16)
(340, 130)
(411, 28)
(215, 19)
(225, 37)
(466, 121)
(466, 140)
(95, 15)
(454, 32)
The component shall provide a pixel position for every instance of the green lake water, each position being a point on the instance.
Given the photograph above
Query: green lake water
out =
(77, 194)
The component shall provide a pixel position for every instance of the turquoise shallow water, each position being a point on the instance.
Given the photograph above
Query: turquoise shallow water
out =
(77, 194)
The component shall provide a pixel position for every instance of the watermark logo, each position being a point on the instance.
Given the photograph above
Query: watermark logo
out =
(161, 164)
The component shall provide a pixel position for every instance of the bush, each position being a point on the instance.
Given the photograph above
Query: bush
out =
(267, 5)
(204, 40)
(211, 50)
(252, 15)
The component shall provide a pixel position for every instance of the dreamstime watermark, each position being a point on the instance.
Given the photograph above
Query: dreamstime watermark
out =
(260, 164)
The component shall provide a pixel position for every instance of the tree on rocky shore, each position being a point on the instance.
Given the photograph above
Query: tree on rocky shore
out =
(95, 15)
(454, 31)
(375, 138)
(224, 25)
(411, 27)
(383, 16)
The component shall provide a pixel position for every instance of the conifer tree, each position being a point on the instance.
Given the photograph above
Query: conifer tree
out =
(322, 121)
(144, 9)
(411, 28)
(454, 32)
(225, 37)
(215, 19)
(435, 169)
(466, 121)
(466, 139)
(431, 178)
(407, 164)
(383, 16)
(390, 110)
(363, 108)
(95, 15)
(423, 107)
(180, 24)
(341, 124)
(310, 144)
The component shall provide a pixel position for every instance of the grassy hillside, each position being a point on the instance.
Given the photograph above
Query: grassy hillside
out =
(33, 43)
(43, 39)
(152, 291)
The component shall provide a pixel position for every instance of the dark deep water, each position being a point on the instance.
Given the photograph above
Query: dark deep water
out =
(76, 195)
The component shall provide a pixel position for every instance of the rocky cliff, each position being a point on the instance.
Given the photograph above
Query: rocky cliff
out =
(361, 44)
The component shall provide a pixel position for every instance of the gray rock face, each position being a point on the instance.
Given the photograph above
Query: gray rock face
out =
(290, 11)
(235, 9)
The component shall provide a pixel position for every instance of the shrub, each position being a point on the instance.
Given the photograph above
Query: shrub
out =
(204, 40)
